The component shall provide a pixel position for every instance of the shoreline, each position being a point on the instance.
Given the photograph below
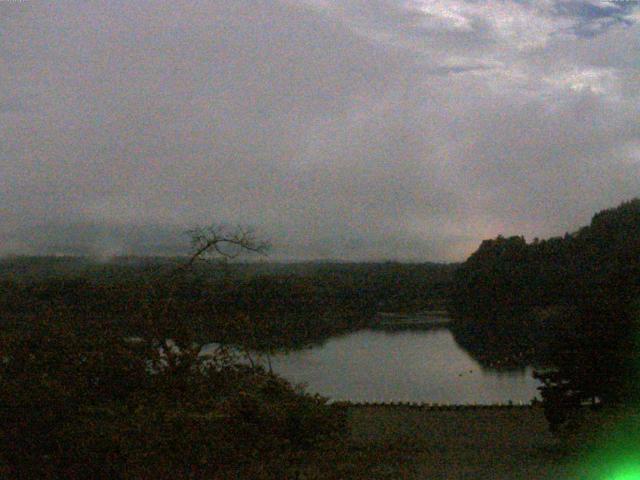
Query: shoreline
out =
(426, 318)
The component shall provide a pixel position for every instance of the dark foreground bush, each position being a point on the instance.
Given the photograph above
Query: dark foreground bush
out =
(80, 402)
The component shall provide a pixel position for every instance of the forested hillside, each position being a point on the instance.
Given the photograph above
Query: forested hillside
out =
(599, 263)
(262, 305)
(570, 303)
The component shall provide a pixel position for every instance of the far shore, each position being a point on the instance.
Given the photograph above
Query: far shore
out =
(426, 318)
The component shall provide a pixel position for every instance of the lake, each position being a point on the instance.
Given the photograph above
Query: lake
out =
(406, 365)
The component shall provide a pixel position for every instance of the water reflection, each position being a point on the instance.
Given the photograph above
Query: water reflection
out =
(408, 365)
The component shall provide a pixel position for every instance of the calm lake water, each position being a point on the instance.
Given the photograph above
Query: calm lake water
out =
(408, 365)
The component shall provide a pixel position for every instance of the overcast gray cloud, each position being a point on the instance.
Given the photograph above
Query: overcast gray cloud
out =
(355, 129)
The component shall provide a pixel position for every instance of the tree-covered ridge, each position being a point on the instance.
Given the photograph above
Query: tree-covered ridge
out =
(508, 276)
(262, 305)
(569, 302)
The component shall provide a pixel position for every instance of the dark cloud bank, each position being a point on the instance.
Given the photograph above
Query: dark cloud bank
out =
(345, 129)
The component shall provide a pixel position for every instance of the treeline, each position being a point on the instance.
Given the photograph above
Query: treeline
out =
(599, 263)
(262, 306)
(569, 302)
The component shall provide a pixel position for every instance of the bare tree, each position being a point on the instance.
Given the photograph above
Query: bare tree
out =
(217, 241)
(226, 242)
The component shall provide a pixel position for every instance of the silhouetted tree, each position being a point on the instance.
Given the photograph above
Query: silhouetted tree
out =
(83, 399)
(590, 278)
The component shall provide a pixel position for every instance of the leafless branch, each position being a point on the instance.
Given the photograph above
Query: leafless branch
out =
(216, 240)
(225, 242)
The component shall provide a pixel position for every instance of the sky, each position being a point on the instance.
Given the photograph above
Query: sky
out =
(339, 129)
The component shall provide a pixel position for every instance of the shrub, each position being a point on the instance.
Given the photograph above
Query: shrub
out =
(81, 401)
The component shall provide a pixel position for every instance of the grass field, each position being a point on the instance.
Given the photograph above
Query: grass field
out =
(401, 442)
